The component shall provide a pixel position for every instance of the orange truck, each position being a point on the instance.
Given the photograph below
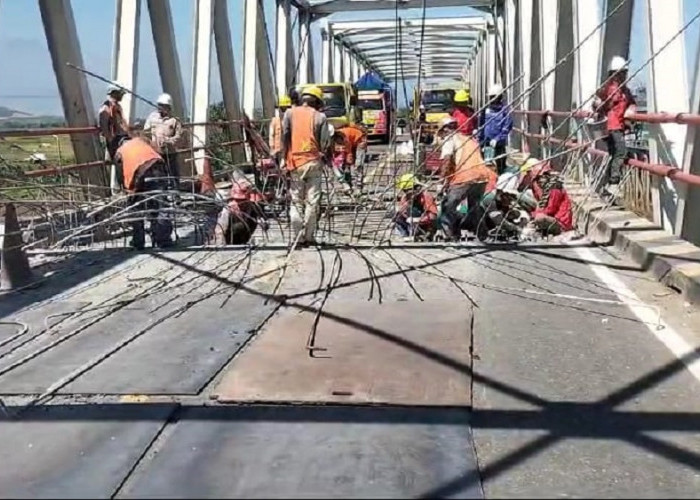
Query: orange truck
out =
(377, 113)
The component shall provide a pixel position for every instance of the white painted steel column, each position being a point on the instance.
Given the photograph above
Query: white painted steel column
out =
(305, 48)
(523, 56)
(166, 53)
(227, 73)
(491, 55)
(511, 31)
(346, 65)
(64, 46)
(250, 29)
(548, 39)
(689, 196)
(616, 32)
(535, 99)
(201, 73)
(667, 92)
(326, 55)
(262, 55)
(337, 61)
(126, 51)
(285, 74)
(564, 73)
(587, 57)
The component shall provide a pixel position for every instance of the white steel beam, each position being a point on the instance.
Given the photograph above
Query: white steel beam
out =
(548, 47)
(201, 74)
(284, 60)
(587, 57)
(125, 55)
(227, 73)
(337, 62)
(262, 55)
(616, 31)
(535, 96)
(64, 46)
(166, 53)
(256, 61)
(564, 73)
(326, 54)
(305, 49)
(333, 6)
(346, 65)
(689, 196)
(667, 92)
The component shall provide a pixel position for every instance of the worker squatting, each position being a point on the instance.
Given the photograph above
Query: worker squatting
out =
(477, 191)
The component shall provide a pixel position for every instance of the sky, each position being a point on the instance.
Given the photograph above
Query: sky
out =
(27, 81)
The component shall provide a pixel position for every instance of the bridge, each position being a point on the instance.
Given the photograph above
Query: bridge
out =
(366, 366)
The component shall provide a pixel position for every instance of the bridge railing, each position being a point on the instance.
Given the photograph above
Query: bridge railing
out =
(637, 190)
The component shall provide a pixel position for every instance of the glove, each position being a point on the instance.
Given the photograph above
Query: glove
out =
(493, 143)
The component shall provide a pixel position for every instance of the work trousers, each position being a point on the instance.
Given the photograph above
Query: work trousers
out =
(146, 207)
(548, 225)
(305, 190)
(451, 218)
(618, 152)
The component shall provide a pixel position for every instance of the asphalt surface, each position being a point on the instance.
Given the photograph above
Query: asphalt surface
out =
(572, 395)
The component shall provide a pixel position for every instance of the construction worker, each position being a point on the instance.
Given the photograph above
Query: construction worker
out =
(239, 219)
(615, 101)
(305, 139)
(111, 120)
(165, 131)
(350, 146)
(416, 217)
(464, 113)
(275, 136)
(553, 214)
(495, 124)
(142, 169)
(465, 178)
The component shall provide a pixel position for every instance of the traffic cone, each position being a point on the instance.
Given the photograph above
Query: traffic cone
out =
(14, 265)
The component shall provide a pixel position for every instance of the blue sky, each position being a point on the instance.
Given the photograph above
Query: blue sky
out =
(28, 83)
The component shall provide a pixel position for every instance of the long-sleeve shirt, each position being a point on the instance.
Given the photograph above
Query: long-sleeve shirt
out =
(466, 120)
(495, 122)
(422, 206)
(166, 132)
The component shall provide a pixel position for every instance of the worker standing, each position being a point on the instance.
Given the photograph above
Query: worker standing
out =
(464, 113)
(465, 177)
(305, 138)
(165, 131)
(141, 170)
(615, 101)
(495, 125)
(112, 126)
(275, 136)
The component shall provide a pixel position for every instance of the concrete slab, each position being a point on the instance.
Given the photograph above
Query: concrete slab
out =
(74, 452)
(372, 350)
(180, 355)
(311, 452)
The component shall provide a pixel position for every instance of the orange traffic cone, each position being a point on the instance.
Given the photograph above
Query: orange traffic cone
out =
(14, 265)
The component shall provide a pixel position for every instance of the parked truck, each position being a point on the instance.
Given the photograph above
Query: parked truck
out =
(375, 100)
(339, 102)
(430, 104)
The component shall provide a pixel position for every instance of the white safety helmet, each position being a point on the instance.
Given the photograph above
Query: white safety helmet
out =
(508, 183)
(446, 122)
(331, 130)
(114, 89)
(165, 100)
(495, 89)
(617, 63)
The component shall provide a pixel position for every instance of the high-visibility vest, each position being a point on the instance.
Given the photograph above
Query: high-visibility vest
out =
(469, 164)
(304, 147)
(134, 153)
(276, 135)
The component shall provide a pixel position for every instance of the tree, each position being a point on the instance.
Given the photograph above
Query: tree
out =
(218, 135)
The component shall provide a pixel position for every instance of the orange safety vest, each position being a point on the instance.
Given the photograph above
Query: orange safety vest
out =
(354, 138)
(304, 147)
(135, 153)
(469, 164)
(276, 135)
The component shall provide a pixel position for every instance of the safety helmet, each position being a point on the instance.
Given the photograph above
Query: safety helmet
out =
(508, 183)
(529, 164)
(617, 63)
(165, 100)
(241, 190)
(495, 89)
(114, 89)
(406, 182)
(446, 122)
(462, 96)
(314, 91)
(331, 130)
(285, 101)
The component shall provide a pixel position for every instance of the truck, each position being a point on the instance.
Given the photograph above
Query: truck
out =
(430, 104)
(376, 102)
(340, 102)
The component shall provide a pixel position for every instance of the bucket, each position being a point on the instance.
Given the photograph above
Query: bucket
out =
(597, 129)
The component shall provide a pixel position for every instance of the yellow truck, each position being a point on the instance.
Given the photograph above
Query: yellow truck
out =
(340, 102)
(430, 104)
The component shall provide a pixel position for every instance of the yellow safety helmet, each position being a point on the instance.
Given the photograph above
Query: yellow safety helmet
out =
(285, 101)
(406, 182)
(313, 90)
(462, 96)
(529, 164)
